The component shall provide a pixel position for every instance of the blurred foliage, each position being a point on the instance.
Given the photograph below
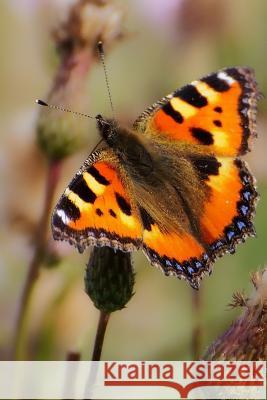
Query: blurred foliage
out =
(167, 43)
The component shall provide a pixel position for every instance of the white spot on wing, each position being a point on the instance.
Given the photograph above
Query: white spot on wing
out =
(226, 78)
(65, 219)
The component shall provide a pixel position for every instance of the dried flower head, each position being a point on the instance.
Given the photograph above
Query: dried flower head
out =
(88, 22)
(61, 134)
(246, 339)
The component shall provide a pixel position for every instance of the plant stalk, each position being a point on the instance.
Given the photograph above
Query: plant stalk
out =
(100, 335)
(197, 328)
(52, 179)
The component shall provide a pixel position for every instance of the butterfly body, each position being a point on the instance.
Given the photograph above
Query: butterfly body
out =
(172, 185)
(155, 166)
(131, 150)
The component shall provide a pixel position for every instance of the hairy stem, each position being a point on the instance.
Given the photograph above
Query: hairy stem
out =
(100, 335)
(197, 328)
(52, 178)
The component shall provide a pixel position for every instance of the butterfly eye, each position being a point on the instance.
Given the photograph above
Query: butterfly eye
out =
(100, 120)
(105, 127)
(101, 124)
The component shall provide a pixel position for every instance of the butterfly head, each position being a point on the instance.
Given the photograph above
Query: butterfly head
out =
(107, 128)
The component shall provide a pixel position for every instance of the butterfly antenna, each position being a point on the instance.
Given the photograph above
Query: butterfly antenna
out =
(102, 59)
(52, 106)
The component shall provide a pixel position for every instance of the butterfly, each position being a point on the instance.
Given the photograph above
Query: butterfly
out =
(174, 185)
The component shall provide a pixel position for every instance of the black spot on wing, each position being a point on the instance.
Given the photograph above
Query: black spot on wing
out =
(70, 209)
(203, 136)
(98, 177)
(218, 109)
(239, 74)
(146, 219)
(80, 187)
(206, 166)
(216, 83)
(112, 213)
(191, 95)
(169, 110)
(99, 212)
(217, 123)
(123, 204)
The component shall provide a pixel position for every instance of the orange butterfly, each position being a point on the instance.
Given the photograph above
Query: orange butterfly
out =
(174, 185)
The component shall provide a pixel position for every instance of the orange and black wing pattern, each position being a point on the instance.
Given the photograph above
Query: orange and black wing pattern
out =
(225, 221)
(95, 209)
(175, 253)
(215, 114)
(212, 120)
(217, 111)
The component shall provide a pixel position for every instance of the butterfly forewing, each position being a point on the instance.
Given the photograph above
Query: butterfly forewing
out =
(96, 209)
(217, 112)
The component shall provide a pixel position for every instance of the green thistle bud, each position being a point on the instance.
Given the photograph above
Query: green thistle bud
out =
(109, 279)
(59, 136)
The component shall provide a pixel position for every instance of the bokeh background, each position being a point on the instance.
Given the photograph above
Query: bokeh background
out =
(166, 44)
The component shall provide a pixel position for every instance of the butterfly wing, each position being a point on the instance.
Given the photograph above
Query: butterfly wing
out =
(175, 253)
(217, 112)
(96, 209)
(224, 221)
(230, 207)
(216, 115)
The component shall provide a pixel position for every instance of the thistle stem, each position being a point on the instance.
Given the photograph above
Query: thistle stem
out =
(197, 328)
(52, 178)
(100, 335)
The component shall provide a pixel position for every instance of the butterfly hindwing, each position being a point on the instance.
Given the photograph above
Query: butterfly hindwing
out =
(230, 206)
(217, 112)
(225, 220)
(95, 209)
(175, 253)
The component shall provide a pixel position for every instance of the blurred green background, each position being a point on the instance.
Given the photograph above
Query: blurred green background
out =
(168, 43)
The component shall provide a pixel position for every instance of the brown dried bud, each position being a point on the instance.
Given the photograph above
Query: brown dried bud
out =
(61, 134)
(90, 21)
(246, 339)
(109, 279)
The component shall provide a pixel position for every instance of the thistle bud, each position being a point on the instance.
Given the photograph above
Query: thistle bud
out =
(246, 339)
(109, 279)
(60, 134)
